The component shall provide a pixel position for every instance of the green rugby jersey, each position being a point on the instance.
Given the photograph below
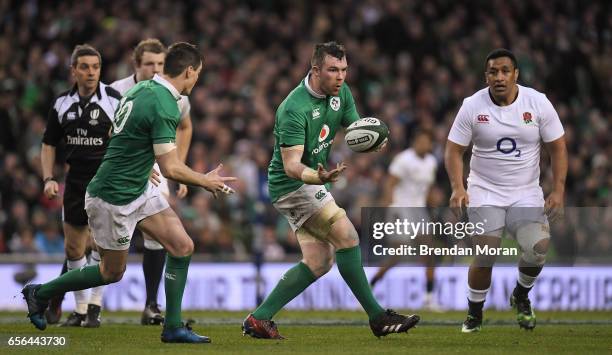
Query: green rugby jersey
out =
(148, 114)
(306, 118)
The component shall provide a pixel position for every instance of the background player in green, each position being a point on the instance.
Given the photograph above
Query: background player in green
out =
(306, 123)
(120, 195)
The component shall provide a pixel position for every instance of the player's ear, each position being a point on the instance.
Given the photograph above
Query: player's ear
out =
(316, 71)
(516, 74)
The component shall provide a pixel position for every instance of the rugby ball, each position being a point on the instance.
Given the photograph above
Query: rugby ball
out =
(366, 134)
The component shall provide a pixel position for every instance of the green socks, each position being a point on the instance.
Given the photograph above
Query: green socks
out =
(351, 269)
(175, 278)
(293, 282)
(78, 279)
(299, 277)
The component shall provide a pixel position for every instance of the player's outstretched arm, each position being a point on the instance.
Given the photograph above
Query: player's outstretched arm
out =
(453, 161)
(292, 161)
(172, 168)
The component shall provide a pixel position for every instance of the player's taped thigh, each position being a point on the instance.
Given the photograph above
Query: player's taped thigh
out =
(530, 237)
(317, 254)
(320, 224)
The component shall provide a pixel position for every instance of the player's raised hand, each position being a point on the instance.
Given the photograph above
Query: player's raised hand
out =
(458, 201)
(181, 192)
(51, 189)
(332, 175)
(553, 206)
(216, 183)
(154, 177)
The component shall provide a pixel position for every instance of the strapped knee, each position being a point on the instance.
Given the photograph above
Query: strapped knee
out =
(533, 239)
(320, 224)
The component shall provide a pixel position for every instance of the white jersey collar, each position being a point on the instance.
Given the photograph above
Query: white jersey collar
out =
(170, 87)
(512, 105)
(310, 90)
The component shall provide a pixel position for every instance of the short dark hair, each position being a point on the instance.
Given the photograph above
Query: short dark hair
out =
(83, 50)
(500, 53)
(329, 48)
(181, 55)
(152, 45)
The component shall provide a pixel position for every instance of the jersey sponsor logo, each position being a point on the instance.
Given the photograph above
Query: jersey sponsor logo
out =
(507, 145)
(320, 194)
(482, 118)
(94, 114)
(123, 240)
(527, 118)
(315, 113)
(334, 103)
(322, 146)
(324, 133)
(85, 141)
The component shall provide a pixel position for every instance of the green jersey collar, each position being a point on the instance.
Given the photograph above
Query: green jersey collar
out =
(310, 90)
(167, 85)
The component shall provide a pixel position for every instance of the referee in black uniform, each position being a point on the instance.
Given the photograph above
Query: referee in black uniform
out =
(81, 120)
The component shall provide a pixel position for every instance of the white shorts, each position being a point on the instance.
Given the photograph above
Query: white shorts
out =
(524, 206)
(163, 184)
(112, 226)
(301, 204)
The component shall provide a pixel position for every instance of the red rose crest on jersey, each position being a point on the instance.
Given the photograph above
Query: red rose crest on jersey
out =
(324, 133)
(482, 118)
(527, 117)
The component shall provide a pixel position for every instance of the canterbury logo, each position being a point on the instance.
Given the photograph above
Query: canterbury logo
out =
(320, 194)
(482, 118)
(170, 276)
(391, 328)
(123, 240)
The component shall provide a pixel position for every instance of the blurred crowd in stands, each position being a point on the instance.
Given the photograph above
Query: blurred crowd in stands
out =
(411, 63)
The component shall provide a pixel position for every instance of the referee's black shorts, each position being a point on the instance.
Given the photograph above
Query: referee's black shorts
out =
(74, 199)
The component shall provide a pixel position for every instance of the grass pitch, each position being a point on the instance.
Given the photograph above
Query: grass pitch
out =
(332, 332)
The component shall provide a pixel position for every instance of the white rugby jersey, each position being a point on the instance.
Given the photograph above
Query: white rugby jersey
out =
(416, 175)
(123, 85)
(506, 151)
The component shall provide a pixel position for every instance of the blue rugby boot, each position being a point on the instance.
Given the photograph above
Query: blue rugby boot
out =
(182, 334)
(36, 308)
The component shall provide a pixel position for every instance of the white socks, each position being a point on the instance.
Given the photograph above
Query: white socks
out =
(152, 244)
(96, 292)
(80, 297)
(477, 295)
(526, 280)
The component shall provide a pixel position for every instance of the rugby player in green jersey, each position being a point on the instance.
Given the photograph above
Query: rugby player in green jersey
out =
(306, 124)
(120, 196)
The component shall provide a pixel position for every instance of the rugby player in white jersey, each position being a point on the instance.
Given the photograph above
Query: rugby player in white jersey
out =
(412, 173)
(506, 123)
(148, 57)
